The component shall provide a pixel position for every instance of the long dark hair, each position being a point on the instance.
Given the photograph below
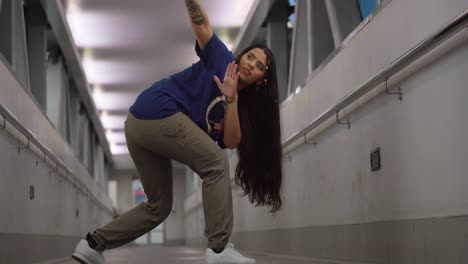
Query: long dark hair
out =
(259, 171)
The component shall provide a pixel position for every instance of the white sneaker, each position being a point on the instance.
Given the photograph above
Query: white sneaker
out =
(228, 256)
(84, 254)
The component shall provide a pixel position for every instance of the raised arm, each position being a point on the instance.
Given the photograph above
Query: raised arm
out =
(200, 22)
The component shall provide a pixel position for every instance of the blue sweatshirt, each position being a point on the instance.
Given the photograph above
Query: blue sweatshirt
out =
(191, 91)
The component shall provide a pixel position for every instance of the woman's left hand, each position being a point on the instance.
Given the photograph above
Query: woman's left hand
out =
(229, 86)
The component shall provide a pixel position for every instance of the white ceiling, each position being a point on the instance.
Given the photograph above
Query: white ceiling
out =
(128, 45)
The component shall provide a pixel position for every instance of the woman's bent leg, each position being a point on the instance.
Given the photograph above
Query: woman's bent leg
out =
(188, 144)
(155, 173)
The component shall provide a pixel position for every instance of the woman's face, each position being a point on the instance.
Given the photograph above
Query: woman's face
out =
(252, 66)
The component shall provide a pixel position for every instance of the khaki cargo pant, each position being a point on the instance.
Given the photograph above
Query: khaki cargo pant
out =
(152, 145)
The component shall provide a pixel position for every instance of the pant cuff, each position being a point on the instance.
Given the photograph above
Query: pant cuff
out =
(212, 244)
(99, 245)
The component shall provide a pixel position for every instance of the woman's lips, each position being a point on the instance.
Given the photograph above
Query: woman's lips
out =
(245, 71)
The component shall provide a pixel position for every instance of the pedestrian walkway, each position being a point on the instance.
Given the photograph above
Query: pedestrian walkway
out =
(182, 255)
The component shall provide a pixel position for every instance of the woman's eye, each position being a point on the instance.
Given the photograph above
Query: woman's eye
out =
(249, 57)
(260, 67)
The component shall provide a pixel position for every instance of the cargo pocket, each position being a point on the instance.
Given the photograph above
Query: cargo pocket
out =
(171, 126)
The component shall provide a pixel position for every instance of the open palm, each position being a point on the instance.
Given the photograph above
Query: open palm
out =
(229, 85)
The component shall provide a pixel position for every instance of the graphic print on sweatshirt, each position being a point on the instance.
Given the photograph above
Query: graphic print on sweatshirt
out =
(215, 118)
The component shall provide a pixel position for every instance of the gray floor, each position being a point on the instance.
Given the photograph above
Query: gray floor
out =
(181, 255)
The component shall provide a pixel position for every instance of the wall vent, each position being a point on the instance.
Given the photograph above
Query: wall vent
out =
(375, 159)
(31, 192)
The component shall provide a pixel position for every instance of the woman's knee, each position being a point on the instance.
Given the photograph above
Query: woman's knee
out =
(218, 167)
(160, 210)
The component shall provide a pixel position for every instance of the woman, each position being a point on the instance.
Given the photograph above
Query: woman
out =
(190, 117)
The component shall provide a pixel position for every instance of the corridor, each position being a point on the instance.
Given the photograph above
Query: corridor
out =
(338, 136)
(186, 255)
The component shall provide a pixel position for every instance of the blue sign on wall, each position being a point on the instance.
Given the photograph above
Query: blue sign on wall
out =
(367, 7)
(138, 191)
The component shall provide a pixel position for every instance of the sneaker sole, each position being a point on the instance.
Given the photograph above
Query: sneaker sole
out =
(223, 262)
(80, 259)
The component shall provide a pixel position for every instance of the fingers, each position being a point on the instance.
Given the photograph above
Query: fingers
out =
(217, 81)
(234, 69)
(228, 70)
(236, 79)
(231, 65)
(231, 70)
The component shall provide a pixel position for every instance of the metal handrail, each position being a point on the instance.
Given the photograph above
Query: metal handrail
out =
(406, 59)
(31, 138)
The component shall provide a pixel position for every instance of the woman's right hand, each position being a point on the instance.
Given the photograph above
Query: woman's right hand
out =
(229, 85)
